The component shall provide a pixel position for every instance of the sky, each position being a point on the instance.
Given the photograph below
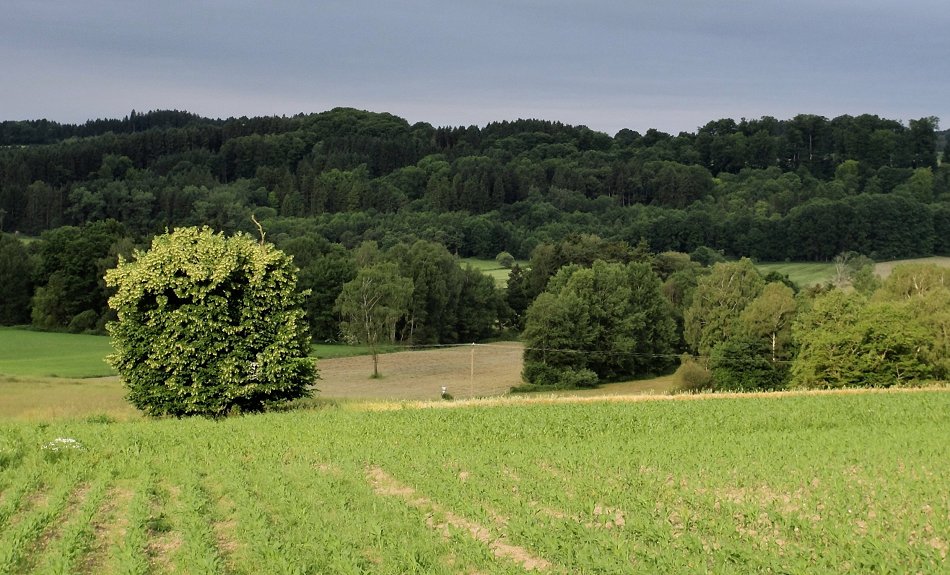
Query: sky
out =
(608, 64)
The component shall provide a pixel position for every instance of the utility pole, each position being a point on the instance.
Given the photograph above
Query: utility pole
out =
(472, 376)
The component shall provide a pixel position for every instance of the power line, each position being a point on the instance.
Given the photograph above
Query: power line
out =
(422, 347)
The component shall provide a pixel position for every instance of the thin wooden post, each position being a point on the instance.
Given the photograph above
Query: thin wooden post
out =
(472, 378)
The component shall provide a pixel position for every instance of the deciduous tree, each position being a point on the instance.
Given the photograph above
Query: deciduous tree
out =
(372, 304)
(718, 300)
(610, 318)
(16, 281)
(898, 337)
(768, 319)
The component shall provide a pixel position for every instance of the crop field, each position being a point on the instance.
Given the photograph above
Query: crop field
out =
(813, 483)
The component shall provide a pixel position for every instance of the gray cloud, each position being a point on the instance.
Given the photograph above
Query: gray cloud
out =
(606, 64)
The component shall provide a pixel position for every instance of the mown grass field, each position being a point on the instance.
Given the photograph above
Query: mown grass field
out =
(25, 353)
(802, 273)
(820, 483)
(486, 370)
(812, 273)
(492, 269)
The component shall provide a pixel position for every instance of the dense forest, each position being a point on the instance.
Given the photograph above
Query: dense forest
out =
(345, 190)
(807, 188)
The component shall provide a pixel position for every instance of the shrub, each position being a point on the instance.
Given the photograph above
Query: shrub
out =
(209, 324)
(549, 376)
(692, 376)
(83, 322)
(505, 260)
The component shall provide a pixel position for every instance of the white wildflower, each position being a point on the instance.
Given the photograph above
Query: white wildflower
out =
(63, 444)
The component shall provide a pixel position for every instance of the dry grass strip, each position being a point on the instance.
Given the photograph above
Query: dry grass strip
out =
(514, 400)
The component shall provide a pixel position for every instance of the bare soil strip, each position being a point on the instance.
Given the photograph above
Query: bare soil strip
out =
(108, 528)
(386, 485)
(39, 498)
(224, 525)
(54, 528)
(163, 545)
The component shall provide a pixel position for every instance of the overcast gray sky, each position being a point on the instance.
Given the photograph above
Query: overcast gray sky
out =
(607, 64)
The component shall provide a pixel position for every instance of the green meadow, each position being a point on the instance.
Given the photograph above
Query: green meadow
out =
(802, 273)
(813, 273)
(491, 269)
(25, 353)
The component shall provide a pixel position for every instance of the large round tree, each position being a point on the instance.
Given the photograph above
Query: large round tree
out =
(609, 321)
(208, 324)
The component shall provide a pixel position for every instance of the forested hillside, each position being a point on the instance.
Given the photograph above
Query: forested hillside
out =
(806, 188)
(626, 237)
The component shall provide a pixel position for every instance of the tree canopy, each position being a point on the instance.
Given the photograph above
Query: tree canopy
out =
(610, 319)
(372, 304)
(897, 337)
(344, 190)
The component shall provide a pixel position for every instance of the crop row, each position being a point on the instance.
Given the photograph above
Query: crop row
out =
(852, 483)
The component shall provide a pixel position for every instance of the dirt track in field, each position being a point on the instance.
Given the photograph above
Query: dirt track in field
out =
(420, 375)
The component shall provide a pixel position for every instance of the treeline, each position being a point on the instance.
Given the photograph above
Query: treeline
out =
(629, 313)
(589, 310)
(32, 132)
(806, 188)
(56, 283)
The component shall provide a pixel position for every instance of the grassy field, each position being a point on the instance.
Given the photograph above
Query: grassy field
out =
(25, 353)
(814, 483)
(491, 268)
(883, 269)
(812, 273)
(802, 273)
(335, 350)
(485, 370)
(407, 376)
(49, 399)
